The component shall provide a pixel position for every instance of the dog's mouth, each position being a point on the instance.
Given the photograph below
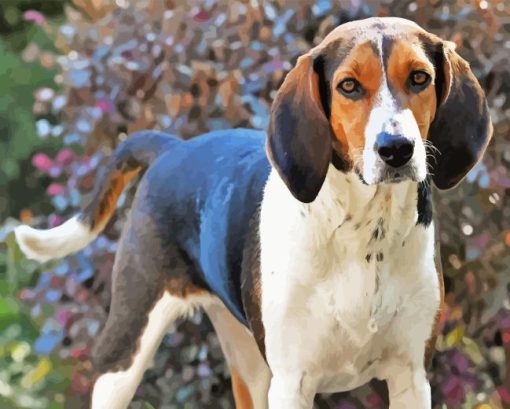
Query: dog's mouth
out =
(390, 175)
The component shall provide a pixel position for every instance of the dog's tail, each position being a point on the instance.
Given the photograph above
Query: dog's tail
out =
(129, 159)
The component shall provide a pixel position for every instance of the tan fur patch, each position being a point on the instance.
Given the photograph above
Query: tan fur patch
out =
(241, 393)
(118, 181)
(405, 58)
(183, 287)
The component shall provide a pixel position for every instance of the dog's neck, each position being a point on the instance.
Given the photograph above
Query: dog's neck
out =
(345, 199)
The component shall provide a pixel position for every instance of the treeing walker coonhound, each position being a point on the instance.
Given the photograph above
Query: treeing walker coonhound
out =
(311, 250)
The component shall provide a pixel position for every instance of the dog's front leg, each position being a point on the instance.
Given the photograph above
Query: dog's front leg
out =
(408, 387)
(288, 352)
(290, 390)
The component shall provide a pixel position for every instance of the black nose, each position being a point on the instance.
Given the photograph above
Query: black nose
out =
(395, 150)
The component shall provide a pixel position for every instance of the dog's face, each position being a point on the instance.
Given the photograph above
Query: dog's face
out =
(381, 97)
(381, 109)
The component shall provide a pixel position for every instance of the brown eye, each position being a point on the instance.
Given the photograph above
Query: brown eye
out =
(419, 80)
(350, 87)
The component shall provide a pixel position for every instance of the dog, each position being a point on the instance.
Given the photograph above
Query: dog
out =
(312, 250)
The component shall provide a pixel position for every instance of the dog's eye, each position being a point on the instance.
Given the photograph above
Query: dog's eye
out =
(350, 87)
(418, 80)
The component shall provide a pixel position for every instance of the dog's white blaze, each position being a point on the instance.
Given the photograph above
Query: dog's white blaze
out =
(114, 390)
(387, 117)
(328, 325)
(378, 121)
(44, 245)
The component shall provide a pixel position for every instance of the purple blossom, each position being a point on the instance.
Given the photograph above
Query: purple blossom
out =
(34, 16)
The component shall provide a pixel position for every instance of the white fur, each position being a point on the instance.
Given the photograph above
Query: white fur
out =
(328, 326)
(114, 390)
(44, 245)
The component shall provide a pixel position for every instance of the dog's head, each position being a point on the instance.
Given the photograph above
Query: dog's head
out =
(384, 98)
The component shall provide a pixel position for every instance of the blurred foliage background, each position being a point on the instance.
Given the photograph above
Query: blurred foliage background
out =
(77, 77)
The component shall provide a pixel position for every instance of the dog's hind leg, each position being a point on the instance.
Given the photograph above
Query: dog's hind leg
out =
(115, 388)
(250, 373)
(151, 288)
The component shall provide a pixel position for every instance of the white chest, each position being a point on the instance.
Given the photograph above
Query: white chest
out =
(345, 280)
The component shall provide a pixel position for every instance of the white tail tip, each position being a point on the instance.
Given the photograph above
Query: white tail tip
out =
(44, 245)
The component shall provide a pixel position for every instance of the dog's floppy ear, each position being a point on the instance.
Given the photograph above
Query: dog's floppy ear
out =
(462, 127)
(299, 136)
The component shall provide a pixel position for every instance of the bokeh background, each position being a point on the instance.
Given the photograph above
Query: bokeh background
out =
(77, 77)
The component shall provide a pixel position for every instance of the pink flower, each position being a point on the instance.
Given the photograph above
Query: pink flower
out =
(55, 220)
(55, 189)
(42, 162)
(65, 156)
(80, 353)
(202, 16)
(35, 16)
(504, 394)
(63, 316)
(105, 105)
(453, 391)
